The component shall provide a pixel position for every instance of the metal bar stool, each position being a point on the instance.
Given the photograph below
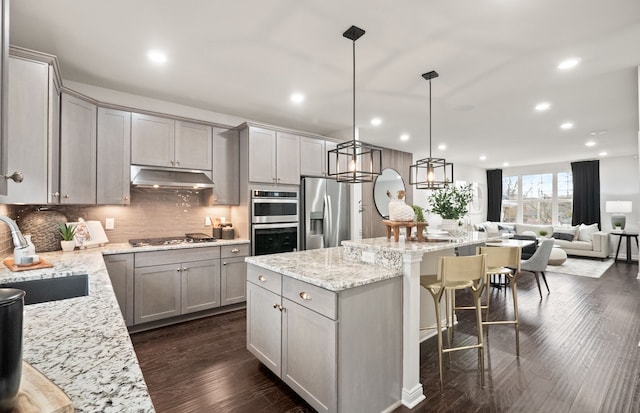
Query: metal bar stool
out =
(457, 273)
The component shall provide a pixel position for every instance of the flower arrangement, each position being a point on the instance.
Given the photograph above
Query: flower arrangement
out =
(451, 202)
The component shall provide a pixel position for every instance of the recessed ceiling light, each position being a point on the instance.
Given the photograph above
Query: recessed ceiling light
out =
(569, 63)
(376, 121)
(590, 143)
(598, 132)
(442, 146)
(157, 56)
(543, 106)
(603, 154)
(505, 164)
(566, 125)
(483, 158)
(297, 97)
(404, 137)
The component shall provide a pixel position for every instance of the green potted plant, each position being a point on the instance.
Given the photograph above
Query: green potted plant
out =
(451, 203)
(543, 233)
(67, 232)
(418, 211)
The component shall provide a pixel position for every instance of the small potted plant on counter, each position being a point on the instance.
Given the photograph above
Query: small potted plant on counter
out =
(67, 232)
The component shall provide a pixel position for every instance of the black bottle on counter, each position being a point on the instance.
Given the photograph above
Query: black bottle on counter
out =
(11, 313)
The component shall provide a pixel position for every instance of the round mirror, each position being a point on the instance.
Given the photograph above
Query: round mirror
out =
(389, 181)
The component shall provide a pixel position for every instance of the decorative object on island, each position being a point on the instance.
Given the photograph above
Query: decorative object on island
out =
(617, 209)
(418, 211)
(11, 310)
(451, 203)
(354, 161)
(67, 231)
(430, 173)
(398, 209)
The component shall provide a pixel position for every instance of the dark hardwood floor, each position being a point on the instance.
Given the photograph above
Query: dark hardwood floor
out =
(578, 353)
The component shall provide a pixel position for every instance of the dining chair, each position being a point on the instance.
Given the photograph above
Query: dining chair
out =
(457, 273)
(538, 262)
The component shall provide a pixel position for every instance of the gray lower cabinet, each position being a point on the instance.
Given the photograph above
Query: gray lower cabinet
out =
(200, 285)
(233, 274)
(120, 269)
(157, 293)
(340, 351)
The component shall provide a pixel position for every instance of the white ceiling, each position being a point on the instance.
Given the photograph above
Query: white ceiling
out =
(496, 59)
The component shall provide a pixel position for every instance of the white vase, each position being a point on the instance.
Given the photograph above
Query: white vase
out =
(450, 225)
(67, 246)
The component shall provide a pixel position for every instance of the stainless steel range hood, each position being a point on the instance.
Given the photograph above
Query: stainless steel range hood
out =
(170, 178)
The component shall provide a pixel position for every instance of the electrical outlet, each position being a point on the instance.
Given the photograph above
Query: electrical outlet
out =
(207, 221)
(109, 223)
(368, 257)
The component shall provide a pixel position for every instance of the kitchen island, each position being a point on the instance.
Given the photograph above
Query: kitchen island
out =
(350, 270)
(82, 344)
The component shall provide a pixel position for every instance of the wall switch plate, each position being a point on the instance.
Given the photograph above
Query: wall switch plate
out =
(207, 221)
(369, 257)
(109, 223)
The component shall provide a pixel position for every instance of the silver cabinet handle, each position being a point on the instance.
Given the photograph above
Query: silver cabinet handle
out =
(16, 177)
(172, 163)
(179, 269)
(279, 307)
(224, 263)
(55, 194)
(305, 296)
(235, 250)
(66, 196)
(177, 163)
(185, 269)
(126, 198)
(262, 278)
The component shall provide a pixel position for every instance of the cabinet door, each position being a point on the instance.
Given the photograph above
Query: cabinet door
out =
(288, 158)
(200, 285)
(193, 146)
(156, 292)
(77, 151)
(233, 281)
(226, 167)
(27, 126)
(312, 157)
(4, 58)
(329, 146)
(114, 156)
(152, 140)
(262, 155)
(264, 328)
(309, 362)
(120, 269)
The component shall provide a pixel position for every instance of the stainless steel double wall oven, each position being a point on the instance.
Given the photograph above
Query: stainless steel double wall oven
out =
(274, 221)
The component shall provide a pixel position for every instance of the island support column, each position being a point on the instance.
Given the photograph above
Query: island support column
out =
(412, 392)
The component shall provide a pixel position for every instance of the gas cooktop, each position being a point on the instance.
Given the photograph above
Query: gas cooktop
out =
(178, 240)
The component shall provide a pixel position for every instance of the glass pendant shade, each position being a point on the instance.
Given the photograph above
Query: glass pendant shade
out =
(354, 161)
(430, 173)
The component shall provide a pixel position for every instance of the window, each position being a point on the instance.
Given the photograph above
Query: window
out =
(541, 198)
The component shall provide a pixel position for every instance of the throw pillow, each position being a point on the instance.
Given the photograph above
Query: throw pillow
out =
(567, 230)
(585, 232)
(563, 236)
(491, 227)
(510, 229)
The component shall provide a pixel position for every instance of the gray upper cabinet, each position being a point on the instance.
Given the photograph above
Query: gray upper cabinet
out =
(158, 141)
(114, 154)
(77, 151)
(33, 113)
(193, 146)
(274, 157)
(313, 156)
(226, 167)
(152, 140)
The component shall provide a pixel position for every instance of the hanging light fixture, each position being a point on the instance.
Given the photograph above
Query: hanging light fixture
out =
(431, 173)
(354, 161)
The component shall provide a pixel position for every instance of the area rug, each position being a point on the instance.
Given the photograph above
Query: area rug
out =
(582, 267)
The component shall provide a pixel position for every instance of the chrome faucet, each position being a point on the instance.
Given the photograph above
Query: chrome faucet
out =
(18, 239)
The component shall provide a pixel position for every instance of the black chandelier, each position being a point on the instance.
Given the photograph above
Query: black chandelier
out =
(431, 173)
(354, 161)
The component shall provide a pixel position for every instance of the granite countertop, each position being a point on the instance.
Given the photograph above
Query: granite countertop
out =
(328, 268)
(417, 247)
(82, 344)
(124, 248)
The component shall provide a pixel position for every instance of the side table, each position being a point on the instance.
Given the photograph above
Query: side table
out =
(628, 236)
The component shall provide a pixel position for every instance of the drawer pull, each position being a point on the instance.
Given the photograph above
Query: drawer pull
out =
(305, 296)
(224, 263)
(262, 278)
(235, 250)
(279, 307)
(179, 269)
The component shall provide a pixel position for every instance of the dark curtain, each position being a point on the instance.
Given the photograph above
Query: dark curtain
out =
(586, 192)
(494, 194)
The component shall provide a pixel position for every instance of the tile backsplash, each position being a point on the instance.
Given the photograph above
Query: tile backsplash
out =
(152, 213)
(6, 243)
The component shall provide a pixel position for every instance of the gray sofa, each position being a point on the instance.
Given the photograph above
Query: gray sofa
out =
(585, 243)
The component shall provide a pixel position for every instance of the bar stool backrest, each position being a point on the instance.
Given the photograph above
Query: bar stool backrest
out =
(508, 257)
(466, 268)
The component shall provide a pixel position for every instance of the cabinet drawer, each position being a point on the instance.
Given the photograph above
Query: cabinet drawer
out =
(314, 298)
(230, 251)
(270, 280)
(145, 259)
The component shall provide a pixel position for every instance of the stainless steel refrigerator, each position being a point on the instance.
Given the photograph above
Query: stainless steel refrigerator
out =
(325, 206)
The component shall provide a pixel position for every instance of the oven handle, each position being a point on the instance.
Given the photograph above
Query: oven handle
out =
(275, 201)
(267, 226)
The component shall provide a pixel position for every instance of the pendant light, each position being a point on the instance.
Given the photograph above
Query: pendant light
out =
(431, 173)
(354, 161)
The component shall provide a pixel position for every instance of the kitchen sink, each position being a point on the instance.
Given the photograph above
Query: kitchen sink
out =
(52, 289)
